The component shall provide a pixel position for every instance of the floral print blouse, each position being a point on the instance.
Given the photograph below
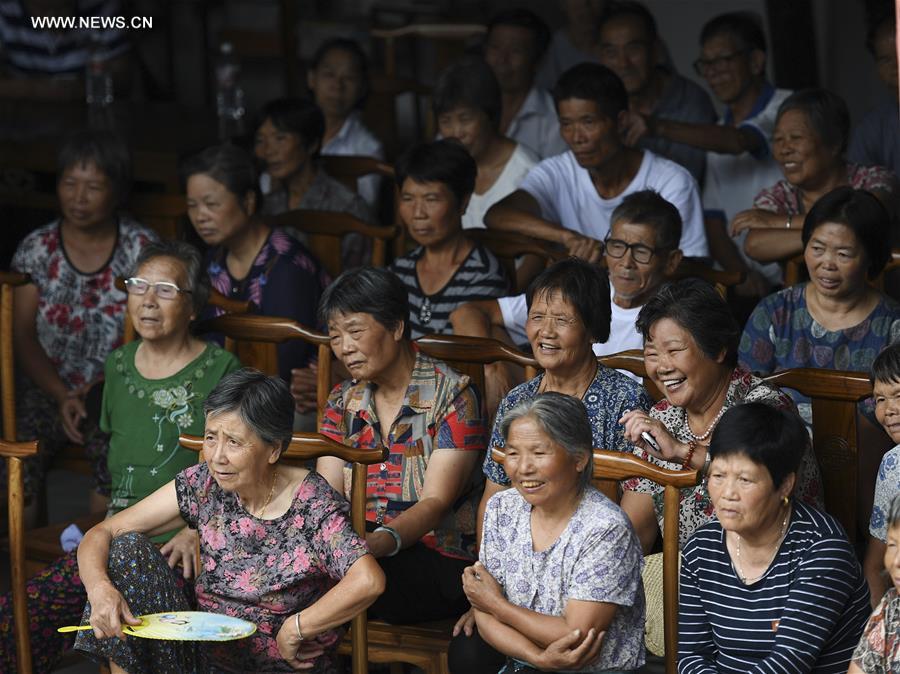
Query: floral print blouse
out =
(878, 651)
(264, 571)
(887, 486)
(696, 506)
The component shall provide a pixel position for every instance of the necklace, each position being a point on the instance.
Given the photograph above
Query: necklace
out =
(700, 438)
(269, 497)
(740, 569)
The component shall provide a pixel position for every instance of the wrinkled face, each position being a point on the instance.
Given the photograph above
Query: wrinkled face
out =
(885, 47)
(363, 345)
(282, 152)
(804, 158)
(632, 280)
(592, 136)
(730, 68)
(510, 52)
(558, 336)
(677, 365)
(337, 83)
(155, 318)
(470, 126)
(628, 50)
(216, 213)
(86, 196)
(542, 471)
(887, 407)
(429, 211)
(836, 261)
(236, 456)
(892, 555)
(743, 495)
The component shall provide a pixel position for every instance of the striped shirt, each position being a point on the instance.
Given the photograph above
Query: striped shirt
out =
(479, 277)
(58, 53)
(805, 614)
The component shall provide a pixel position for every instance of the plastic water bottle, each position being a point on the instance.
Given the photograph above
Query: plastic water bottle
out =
(98, 84)
(229, 95)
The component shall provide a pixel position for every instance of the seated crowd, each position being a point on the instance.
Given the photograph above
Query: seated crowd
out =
(482, 512)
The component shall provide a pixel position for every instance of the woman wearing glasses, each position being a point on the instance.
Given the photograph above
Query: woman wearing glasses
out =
(69, 318)
(154, 390)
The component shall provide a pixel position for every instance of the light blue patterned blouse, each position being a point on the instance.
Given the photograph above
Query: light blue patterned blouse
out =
(887, 486)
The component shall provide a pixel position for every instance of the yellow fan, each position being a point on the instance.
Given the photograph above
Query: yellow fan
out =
(184, 626)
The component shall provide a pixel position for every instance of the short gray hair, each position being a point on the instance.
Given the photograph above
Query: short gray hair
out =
(198, 282)
(263, 403)
(564, 420)
(893, 518)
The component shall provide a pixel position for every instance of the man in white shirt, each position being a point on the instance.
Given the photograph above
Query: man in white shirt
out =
(516, 40)
(569, 199)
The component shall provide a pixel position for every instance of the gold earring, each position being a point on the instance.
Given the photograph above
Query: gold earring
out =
(785, 500)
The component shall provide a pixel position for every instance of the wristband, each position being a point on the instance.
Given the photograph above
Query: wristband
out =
(297, 619)
(706, 463)
(692, 445)
(398, 542)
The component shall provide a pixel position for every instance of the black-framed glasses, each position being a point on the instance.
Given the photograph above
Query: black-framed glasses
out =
(163, 289)
(705, 66)
(640, 252)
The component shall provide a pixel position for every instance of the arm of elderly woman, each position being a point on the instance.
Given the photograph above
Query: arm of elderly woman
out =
(154, 515)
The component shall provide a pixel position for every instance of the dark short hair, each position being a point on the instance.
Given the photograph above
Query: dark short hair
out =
(893, 518)
(227, 164)
(189, 257)
(367, 290)
(583, 285)
(264, 404)
(108, 151)
(886, 366)
(744, 26)
(524, 18)
(299, 116)
(440, 161)
(862, 212)
(698, 308)
(470, 83)
(647, 207)
(353, 48)
(768, 436)
(592, 82)
(620, 8)
(827, 113)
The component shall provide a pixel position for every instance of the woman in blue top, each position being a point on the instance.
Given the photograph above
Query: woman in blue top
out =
(771, 584)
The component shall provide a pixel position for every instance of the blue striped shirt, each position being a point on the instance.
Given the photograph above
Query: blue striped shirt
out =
(805, 614)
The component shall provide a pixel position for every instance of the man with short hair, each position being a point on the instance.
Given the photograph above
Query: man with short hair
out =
(569, 199)
(630, 47)
(516, 40)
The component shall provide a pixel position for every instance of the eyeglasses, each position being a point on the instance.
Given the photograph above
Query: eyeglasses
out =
(163, 289)
(705, 66)
(640, 252)
(560, 322)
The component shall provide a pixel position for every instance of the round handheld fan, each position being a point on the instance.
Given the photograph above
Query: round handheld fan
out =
(184, 626)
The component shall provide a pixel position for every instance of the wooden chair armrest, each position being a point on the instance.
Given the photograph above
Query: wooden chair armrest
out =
(305, 446)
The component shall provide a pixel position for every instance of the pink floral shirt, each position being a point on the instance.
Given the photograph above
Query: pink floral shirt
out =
(264, 571)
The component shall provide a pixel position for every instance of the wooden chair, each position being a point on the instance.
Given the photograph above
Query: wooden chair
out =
(14, 452)
(8, 282)
(348, 169)
(612, 467)
(721, 280)
(389, 98)
(834, 395)
(307, 446)
(325, 230)
(507, 246)
(469, 355)
(442, 35)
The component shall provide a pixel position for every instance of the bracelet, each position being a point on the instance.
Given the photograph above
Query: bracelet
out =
(297, 619)
(787, 225)
(692, 445)
(396, 536)
(705, 470)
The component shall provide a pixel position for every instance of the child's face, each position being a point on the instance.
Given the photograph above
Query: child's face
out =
(892, 555)
(887, 407)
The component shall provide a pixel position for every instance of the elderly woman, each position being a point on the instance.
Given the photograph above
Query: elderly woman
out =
(810, 140)
(338, 78)
(69, 318)
(557, 556)
(690, 352)
(771, 584)
(467, 106)
(154, 390)
(250, 510)
(879, 647)
(448, 268)
(421, 501)
(836, 320)
(248, 260)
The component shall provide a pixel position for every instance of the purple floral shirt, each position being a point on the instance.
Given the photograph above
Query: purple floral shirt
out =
(264, 571)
